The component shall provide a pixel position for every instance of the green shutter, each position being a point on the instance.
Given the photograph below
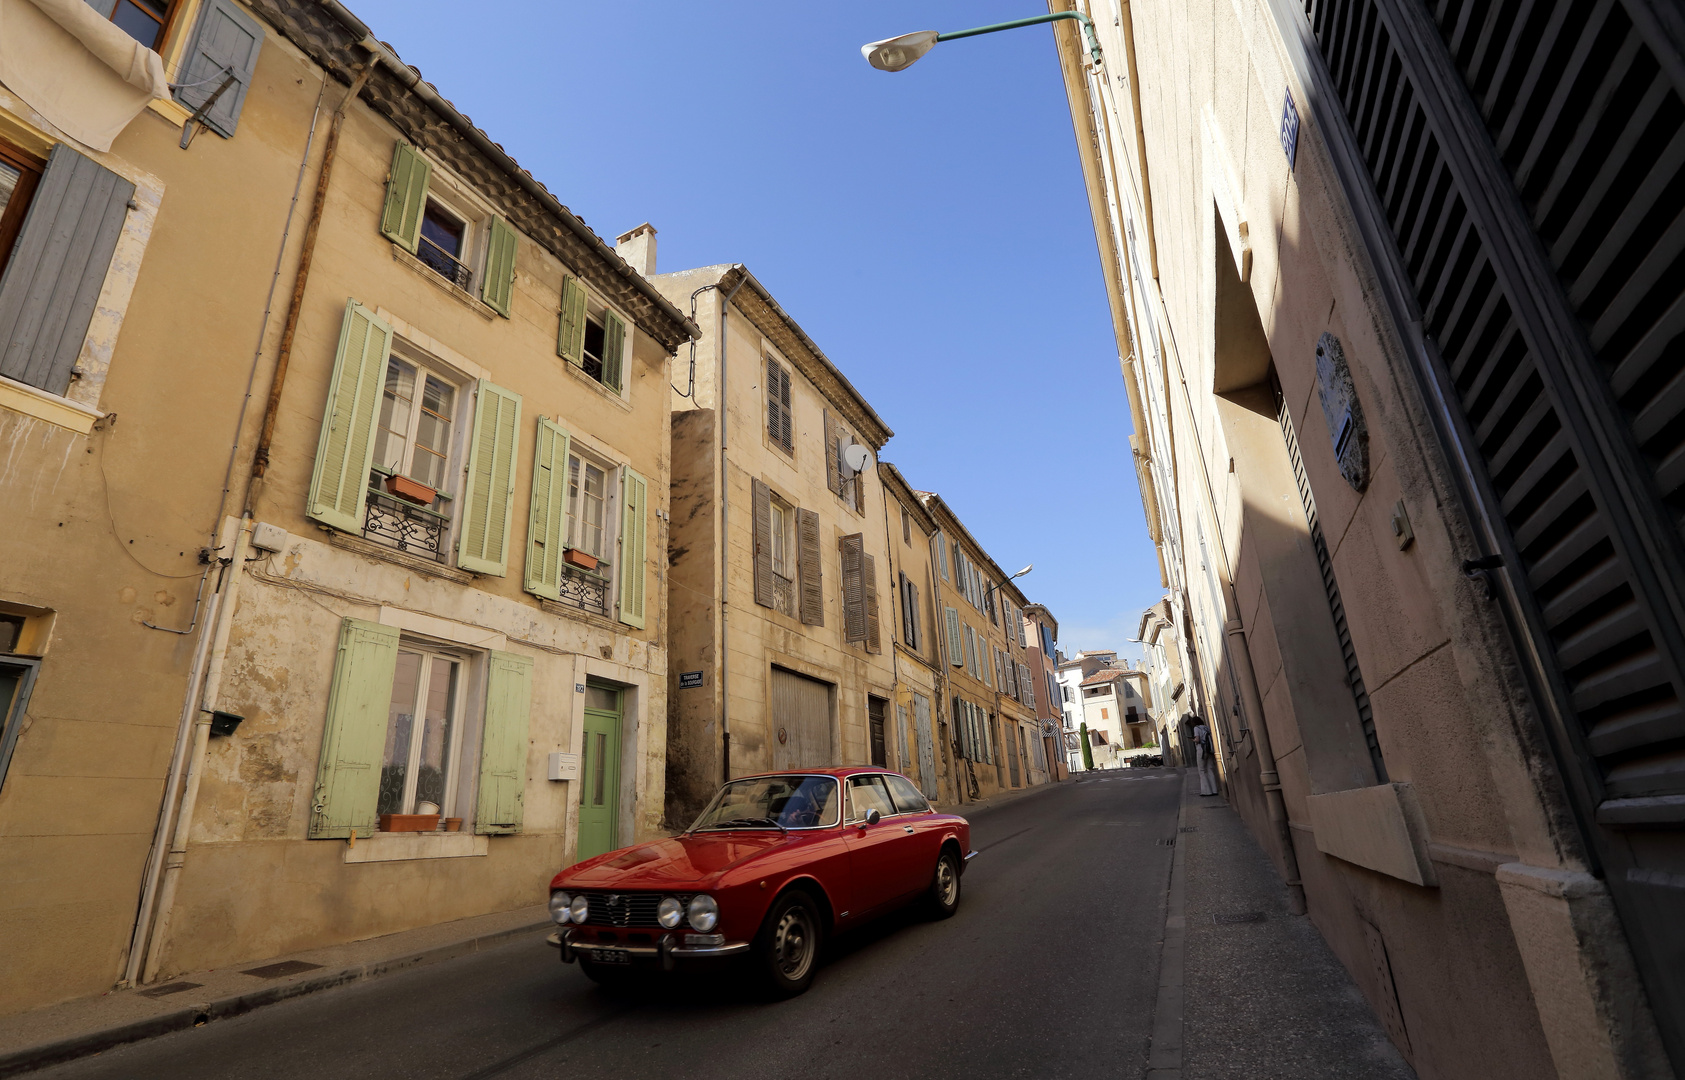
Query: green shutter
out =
(614, 351)
(547, 521)
(345, 450)
(488, 498)
(503, 745)
(406, 196)
(635, 492)
(570, 337)
(499, 286)
(354, 737)
(956, 647)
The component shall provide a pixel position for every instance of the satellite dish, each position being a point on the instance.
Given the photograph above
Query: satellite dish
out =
(856, 457)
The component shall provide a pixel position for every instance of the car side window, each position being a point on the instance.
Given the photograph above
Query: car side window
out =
(908, 800)
(868, 793)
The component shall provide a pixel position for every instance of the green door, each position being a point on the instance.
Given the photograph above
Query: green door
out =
(599, 772)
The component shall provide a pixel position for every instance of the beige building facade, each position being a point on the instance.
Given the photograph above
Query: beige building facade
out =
(921, 747)
(1417, 563)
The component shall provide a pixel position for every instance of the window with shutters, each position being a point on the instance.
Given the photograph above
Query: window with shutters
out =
(449, 229)
(782, 536)
(143, 20)
(780, 421)
(413, 478)
(418, 770)
(591, 508)
(20, 172)
(443, 245)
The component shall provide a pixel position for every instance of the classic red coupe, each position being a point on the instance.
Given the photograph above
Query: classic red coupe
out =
(773, 865)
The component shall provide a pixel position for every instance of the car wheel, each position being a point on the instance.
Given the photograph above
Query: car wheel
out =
(787, 947)
(944, 897)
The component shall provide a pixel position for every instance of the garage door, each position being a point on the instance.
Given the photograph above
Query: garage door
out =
(801, 721)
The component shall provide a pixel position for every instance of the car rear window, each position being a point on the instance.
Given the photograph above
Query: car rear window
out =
(908, 799)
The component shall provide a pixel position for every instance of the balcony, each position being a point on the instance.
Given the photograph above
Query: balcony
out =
(442, 262)
(402, 524)
(584, 590)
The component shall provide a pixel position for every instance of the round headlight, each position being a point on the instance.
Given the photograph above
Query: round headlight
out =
(559, 907)
(670, 913)
(704, 913)
(579, 910)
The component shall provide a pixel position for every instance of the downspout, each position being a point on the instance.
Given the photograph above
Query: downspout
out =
(894, 656)
(1240, 655)
(725, 540)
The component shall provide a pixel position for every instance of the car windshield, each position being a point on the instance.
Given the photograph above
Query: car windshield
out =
(772, 802)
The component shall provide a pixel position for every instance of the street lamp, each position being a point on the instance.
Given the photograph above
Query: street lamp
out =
(900, 53)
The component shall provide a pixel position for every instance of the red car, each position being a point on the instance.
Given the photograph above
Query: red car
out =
(773, 865)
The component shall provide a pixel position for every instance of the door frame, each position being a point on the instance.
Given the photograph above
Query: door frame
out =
(616, 799)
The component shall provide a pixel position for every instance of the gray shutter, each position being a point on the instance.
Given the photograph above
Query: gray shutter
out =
(869, 575)
(614, 352)
(833, 473)
(57, 268)
(905, 599)
(227, 40)
(810, 567)
(854, 592)
(1026, 686)
(762, 497)
(787, 430)
(956, 649)
(913, 607)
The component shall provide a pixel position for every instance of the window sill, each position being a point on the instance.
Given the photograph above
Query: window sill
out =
(401, 847)
(424, 567)
(579, 373)
(172, 110)
(461, 296)
(61, 411)
(590, 618)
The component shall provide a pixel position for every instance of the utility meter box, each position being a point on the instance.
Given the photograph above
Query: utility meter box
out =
(267, 537)
(564, 766)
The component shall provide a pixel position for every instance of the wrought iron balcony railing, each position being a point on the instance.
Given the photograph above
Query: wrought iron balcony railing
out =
(402, 524)
(437, 258)
(584, 589)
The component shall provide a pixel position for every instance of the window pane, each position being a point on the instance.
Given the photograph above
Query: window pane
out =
(867, 793)
(573, 502)
(602, 697)
(138, 22)
(433, 433)
(779, 555)
(391, 447)
(103, 6)
(436, 735)
(591, 533)
(907, 797)
(8, 184)
(598, 767)
(444, 231)
(400, 724)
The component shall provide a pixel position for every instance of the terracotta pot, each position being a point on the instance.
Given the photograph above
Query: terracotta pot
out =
(579, 559)
(405, 488)
(409, 822)
(453, 824)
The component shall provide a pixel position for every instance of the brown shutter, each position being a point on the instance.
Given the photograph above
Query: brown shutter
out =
(869, 571)
(763, 543)
(913, 607)
(904, 597)
(786, 431)
(833, 471)
(854, 592)
(810, 568)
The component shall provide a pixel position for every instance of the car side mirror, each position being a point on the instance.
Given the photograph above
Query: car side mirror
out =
(873, 817)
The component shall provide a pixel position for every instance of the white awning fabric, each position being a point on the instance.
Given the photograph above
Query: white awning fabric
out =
(76, 68)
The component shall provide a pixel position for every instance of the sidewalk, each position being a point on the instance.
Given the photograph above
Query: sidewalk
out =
(74, 1029)
(1245, 989)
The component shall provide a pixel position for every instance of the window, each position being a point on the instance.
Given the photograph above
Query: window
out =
(779, 422)
(795, 802)
(143, 20)
(423, 732)
(1069, 694)
(907, 798)
(1105, 714)
(409, 501)
(449, 232)
(443, 244)
(781, 542)
(19, 173)
(868, 793)
(906, 528)
(590, 523)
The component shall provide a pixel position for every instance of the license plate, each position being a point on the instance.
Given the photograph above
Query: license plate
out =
(611, 956)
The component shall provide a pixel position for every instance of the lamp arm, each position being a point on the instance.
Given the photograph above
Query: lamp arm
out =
(1087, 28)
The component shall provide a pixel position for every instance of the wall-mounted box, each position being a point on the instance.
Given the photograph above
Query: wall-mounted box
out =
(564, 766)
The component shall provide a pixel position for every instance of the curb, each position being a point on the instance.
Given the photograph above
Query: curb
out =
(1164, 1055)
(60, 1051)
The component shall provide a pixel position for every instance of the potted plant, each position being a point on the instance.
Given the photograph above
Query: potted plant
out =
(575, 557)
(414, 491)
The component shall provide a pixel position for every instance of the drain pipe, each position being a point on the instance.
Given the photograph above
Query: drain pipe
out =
(725, 537)
(1240, 654)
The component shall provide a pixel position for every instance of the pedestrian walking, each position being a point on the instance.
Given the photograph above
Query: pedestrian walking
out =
(1206, 764)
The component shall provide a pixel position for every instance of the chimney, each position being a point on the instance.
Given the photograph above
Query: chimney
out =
(638, 249)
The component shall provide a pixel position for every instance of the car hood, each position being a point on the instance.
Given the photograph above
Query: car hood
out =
(695, 859)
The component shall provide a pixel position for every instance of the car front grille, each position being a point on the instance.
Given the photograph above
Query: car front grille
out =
(627, 909)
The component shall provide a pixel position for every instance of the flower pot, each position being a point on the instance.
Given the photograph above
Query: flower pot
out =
(405, 488)
(453, 824)
(574, 557)
(409, 822)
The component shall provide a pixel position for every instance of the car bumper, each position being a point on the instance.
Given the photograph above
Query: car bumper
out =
(667, 951)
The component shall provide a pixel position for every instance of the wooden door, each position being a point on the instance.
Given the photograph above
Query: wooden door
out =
(801, 721)
(875, 718)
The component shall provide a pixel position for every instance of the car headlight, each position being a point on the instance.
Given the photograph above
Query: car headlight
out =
(579, 910)
(704, 913)
(670, 913)
(559, 907)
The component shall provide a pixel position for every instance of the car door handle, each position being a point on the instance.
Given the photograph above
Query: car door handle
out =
(908, 828)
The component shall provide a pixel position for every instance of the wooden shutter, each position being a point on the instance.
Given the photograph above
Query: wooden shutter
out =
(983, 660)
(913, 607)
(547, 517)
(499, 286)
(810, 567)
(570, 332)
(939, 544)
(869, 574)
(833, 470)
(406, 196)
(339, 484)
(614, 352)
(354, 736)
(904, 597)
(962, 732)
(779, 423)
(488, 497)
(956, 649)
(634, 516)
(854, 587)
(1026, 686)
(762, 500)
(57, 268)
(503, 744)
(226, 41)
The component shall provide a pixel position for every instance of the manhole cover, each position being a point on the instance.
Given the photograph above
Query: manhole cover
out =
(170, 988)
(281, 970)
(1238, 917)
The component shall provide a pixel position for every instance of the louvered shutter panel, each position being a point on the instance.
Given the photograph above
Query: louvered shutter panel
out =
(1026, 685)
(499, 287)
(339, 483)
(354, 736)
(547, 516)
(956, 650)
(503, 744)
(57, 268)
(869, 582)
(983, 661)
(570, 332)
(939, 552)
(226, 41)
(810, 567)
(854, 587)
(961, 736)
(762, 499)
(904, 598)
(488, 497)
(406, 196)
(787, 425)
(614, 352)
(833, 472)
(913, 608)
(634, 515)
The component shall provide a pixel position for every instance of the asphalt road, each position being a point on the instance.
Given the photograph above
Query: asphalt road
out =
(1048, 970)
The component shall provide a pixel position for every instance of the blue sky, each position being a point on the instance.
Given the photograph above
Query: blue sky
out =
(928, 229)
